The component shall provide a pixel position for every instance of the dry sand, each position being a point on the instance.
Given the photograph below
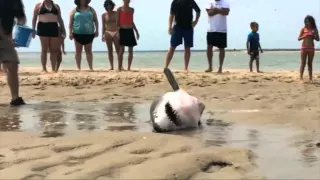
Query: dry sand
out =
(279, 97)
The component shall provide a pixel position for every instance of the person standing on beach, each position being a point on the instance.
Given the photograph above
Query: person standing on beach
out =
(253, 45)
(62, 50)
(83, 28)
(182, 12)
(110, 33)
(217, 10)
(47, 17)
(127, 28)
(9, 10)
(308, 34)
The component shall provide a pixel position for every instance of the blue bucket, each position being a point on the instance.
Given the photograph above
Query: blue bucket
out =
(22, 36)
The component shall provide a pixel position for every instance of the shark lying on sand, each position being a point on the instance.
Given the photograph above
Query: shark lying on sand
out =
(175, 110)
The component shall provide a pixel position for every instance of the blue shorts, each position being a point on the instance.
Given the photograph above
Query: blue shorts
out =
(179, 33)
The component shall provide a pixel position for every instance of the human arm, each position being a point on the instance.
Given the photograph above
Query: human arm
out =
(96, 23)
(171, 16)
(211, 11)
(60, 20)
(35, 17)
(248, 43)
(2, 34)
(223, 11)
(118, 17)
(20, 13)
(259, 45)
(301, 35)
(103, 25)
(198, 11)
(260, 48)
(62, 46)
(135, 28)
(316, 35)
(71, 23)
(215, 11)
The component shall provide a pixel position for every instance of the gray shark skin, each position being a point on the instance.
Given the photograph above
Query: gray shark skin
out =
(153, 107)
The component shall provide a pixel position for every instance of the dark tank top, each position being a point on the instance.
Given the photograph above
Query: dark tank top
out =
(44, 10)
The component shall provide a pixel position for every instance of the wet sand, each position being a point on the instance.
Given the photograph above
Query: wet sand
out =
(278, 96)
(234, 97)
(111, 155)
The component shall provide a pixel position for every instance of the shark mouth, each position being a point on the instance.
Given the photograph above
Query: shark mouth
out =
(172, 115)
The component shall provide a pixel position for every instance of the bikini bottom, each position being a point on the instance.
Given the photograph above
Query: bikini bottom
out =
(112, 33)
(307, 49)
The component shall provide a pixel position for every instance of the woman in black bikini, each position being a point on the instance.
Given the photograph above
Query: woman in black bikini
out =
(48, 16)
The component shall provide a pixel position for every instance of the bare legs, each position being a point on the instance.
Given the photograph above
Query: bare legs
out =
(3, 68)
(187, 54)
(209, 58)
(55, 48)
(210, 55)
(45, 42)
(221, 59)
(13, 79)
(109, 41)
(120, 57)
(130, 57)
(53, 44)
(78, 54)
(169, 56)
(306, 58)
(88, 50)
(254, 57)
(59, 61)
(310, 63)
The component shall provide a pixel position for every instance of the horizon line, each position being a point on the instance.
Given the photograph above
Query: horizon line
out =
(198, 50)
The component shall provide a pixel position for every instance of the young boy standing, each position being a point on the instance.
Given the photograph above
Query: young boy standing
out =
(253, 45)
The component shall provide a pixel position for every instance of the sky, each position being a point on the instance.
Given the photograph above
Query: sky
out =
(279, 23)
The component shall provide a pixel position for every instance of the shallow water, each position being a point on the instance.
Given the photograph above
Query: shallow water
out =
(269, 61)
(282, 152)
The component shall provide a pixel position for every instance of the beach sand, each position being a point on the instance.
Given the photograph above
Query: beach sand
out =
(279, 97)
(110, 155)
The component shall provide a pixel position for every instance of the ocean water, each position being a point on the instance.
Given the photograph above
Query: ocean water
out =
(269, 61)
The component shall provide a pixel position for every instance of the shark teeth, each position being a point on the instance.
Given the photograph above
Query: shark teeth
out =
(172, 114)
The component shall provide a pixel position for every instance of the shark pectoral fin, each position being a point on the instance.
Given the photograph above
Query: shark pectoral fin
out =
(201, 107)
(157, 128)
(172, 81)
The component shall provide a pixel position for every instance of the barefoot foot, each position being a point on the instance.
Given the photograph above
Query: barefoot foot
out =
(208, 70)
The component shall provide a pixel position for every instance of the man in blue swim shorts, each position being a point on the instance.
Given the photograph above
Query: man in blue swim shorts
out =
(182, 12)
